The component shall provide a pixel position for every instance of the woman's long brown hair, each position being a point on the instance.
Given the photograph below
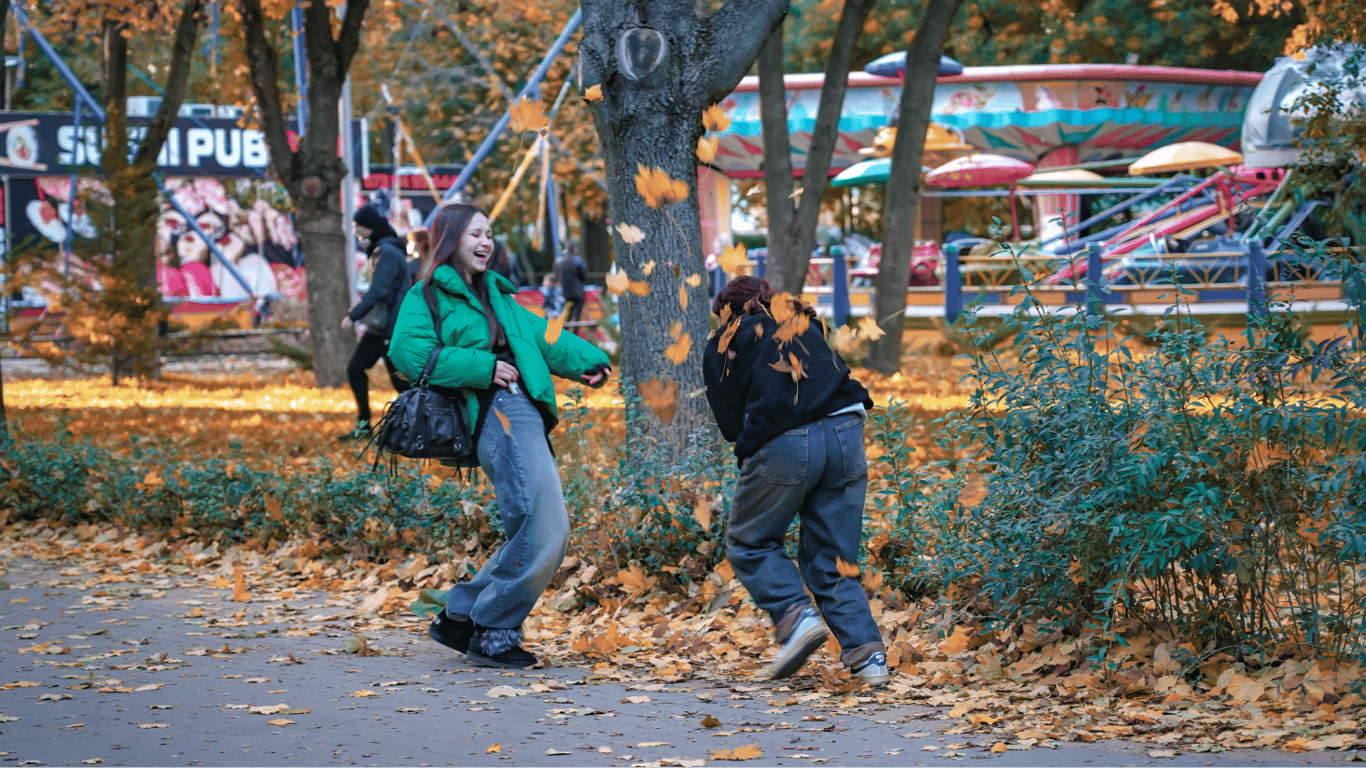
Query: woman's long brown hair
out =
(448, 229)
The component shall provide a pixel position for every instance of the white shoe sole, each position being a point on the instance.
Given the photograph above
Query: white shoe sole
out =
(796, 652)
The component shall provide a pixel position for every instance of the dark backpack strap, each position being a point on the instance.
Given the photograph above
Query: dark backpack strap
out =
(429, 293)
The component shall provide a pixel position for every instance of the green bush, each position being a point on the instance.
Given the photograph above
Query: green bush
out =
(147, 489)
(1207, 489)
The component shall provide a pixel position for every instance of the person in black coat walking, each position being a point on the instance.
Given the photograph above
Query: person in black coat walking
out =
(377, 308)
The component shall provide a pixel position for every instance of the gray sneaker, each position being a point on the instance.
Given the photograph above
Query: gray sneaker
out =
(807, 634)
(872, 670)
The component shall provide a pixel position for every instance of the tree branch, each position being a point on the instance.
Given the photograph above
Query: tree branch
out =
(177, 82)
(264, 62)
(736, 32)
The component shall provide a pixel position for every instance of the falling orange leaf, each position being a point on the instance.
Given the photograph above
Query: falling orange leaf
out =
(733, 260)
(693, 280)
(658, 189)
(793, 327)
(639, 287)
(870, 330)
(706, 148)
(617, 282)
(845, 340)
(715, 118)
(648, 268)
(239, 584)
(683, 297)
(661, 398)
(677, 352)
(847, 570)
(528, 115)
(555, 325)
(781, 307)
(630, 233)
(675, 329)
(593, 94)
(502, 417)
(727, 333)
(791, 366)
(747, 752)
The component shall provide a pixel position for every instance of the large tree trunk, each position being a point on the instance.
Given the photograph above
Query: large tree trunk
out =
(313, 175)
(792, 227)
(903, 197)
(655, 121)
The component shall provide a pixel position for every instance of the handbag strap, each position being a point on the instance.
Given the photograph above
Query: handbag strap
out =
(430, 295)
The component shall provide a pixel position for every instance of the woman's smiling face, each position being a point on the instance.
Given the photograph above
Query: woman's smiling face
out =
(476, 244)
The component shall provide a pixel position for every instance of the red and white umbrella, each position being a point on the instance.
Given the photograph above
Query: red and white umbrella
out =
(983, 170)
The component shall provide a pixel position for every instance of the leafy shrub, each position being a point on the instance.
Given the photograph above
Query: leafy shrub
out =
(148, 489)
(1208, 489)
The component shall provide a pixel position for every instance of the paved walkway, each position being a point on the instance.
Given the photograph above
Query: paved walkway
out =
(170, 672)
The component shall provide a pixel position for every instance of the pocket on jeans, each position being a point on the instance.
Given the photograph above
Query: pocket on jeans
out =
(782, 460)
(850, 435)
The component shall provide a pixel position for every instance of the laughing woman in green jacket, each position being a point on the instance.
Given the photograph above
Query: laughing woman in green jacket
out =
(497, 356)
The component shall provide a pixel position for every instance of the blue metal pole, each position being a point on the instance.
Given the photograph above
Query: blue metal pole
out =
(839, 275)
(953, 284)
(532, 89)
(296, 18)
(1256, 279)
(760, 264)
(62, 69)
(1094, 299)
(552, 226)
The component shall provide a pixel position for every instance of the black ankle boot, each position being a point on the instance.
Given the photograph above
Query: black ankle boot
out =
(452, 633)
(498, 648)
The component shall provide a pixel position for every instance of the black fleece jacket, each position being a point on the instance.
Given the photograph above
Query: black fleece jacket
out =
(753, 402)
(388, 285)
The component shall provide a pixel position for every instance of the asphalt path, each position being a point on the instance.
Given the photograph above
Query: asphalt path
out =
(134, 674)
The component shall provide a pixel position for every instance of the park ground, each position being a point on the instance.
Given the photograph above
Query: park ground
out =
(127, 647)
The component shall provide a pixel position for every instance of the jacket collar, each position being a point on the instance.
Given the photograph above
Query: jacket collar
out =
(450, 281)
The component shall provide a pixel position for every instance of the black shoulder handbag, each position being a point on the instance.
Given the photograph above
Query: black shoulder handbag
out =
(426, 422)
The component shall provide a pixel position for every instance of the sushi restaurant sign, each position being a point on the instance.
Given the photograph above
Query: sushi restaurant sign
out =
(44, 143)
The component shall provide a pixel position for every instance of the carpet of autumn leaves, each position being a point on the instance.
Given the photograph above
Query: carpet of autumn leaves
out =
(1018, 687)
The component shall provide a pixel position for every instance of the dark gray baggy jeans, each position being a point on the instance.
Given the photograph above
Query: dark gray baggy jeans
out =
(818, 471)
(526, 482)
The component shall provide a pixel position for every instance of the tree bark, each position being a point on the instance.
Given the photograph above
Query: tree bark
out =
(655, 122)
(313, 174)
(903, 198)
(778, 182)
(788, 263)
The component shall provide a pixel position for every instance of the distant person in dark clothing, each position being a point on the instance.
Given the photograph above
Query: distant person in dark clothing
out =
(573, 273)
(378, 309)
(505, 264)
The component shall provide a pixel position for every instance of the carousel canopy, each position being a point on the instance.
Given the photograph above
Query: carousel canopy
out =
(1025, 112)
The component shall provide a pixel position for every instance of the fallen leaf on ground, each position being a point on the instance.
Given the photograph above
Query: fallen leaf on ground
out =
(747, 752)
(281, 721)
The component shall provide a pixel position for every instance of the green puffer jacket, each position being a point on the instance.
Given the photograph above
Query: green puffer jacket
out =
(466, 361)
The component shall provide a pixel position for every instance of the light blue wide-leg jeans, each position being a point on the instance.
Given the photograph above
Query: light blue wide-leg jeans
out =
(526, 482)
